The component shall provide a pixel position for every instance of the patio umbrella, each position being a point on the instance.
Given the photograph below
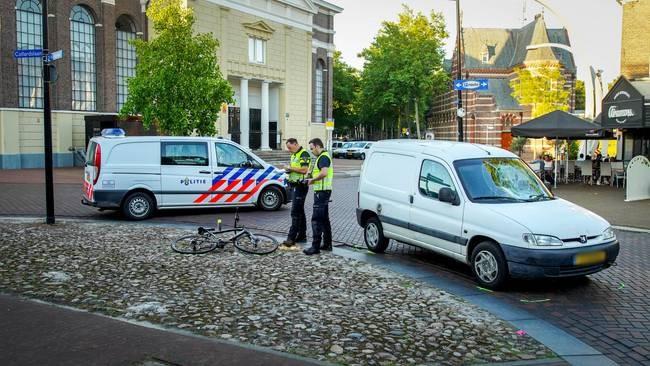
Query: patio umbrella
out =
(558, 125)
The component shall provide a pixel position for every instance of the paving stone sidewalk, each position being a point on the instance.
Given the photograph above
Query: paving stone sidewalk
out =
(327, 308)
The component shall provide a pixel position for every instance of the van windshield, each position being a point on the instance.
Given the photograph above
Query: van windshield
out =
(359, 144)
(347, 144)
(500, 180)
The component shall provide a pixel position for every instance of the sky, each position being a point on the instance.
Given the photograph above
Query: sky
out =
(594, 25)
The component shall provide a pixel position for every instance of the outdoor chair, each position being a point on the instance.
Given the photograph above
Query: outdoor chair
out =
(606, 171)
(572, 170)
(618, 173)
(586, 170)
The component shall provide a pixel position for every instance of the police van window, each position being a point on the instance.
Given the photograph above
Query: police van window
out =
(232, 156)
(184, 153)
(433, 177)
(90, 154)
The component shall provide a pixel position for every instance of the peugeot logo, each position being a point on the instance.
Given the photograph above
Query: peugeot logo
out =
(583, 239)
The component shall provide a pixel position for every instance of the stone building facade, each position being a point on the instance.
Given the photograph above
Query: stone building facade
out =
(277, 54)
(493, 54)
(635, 48)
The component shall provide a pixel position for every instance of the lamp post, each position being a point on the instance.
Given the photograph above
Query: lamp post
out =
(459, 117)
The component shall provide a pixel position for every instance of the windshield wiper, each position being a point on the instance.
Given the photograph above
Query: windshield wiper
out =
(539, 197)
(506, 198)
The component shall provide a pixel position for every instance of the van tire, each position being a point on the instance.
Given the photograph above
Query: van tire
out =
(270, 199)
(492, 257)
(138, 206)
(373, 235)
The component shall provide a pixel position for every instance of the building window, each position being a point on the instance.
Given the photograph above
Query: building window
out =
(28, 36)
(318, 95)
(82, 44)
(125, 57)
(256, 50)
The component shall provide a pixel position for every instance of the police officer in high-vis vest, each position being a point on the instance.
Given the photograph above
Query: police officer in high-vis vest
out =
(297, 169)
(321, 178)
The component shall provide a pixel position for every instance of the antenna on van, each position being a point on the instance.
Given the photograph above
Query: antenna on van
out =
(480, 147)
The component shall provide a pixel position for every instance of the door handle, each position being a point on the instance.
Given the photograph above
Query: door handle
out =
(410, 198)
(204, 171)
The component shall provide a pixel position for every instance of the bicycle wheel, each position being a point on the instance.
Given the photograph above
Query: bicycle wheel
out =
(193, 244)
(256, 244)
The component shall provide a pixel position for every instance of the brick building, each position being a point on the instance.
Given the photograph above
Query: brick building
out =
(493, 54)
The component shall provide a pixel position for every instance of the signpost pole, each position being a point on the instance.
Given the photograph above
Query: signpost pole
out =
(459, 63)
(47, 125)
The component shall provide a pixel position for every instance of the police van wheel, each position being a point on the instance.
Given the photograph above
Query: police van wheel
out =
(489, 265)
(138, 206)
(373, 234)
(270, 199)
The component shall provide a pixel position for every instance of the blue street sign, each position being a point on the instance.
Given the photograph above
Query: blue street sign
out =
(476, 84)
(54, 56)
(28, 53)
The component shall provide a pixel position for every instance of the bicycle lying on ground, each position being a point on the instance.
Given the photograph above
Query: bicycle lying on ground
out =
(209, 239)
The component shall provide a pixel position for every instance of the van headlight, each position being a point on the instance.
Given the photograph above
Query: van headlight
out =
(608, 234)
(542, 240)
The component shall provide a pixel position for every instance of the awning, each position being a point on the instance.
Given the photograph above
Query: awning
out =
(558, 124)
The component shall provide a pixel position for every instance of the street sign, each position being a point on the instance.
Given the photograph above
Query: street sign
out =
(54, 56)
(476, 84)
(329, 125)
(28, 53)
(460, 112)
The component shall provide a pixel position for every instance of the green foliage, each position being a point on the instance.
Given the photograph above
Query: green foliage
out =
(542, 88)
(403, 64)
(580, 95)
(518, 144)
(574, 149)
(178, 85)
(346, 94)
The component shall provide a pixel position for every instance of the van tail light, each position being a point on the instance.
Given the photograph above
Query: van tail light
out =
(97, 163)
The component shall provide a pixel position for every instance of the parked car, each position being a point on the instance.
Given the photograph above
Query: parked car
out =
(336, 145)
(340, 151)
(480, 205)
(139, 175)
(358, 150)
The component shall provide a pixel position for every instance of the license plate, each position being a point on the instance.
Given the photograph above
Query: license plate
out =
(586, 259)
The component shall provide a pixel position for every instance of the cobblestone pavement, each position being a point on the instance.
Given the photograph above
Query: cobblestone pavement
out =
(326, 307)
(609, 310)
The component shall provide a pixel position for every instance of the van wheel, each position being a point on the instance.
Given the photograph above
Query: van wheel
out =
(489, 265)
(138, 206)
(270, 199)
(373, 233)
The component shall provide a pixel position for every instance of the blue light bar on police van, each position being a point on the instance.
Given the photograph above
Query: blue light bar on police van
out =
(113, 132)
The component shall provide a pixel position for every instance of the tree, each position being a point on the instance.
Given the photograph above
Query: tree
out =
(403, 66)
(177, 85)
(580, 95)
(543, 89)
(346, 94)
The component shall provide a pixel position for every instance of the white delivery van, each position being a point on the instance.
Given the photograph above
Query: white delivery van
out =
(138, 175)
(480, 205)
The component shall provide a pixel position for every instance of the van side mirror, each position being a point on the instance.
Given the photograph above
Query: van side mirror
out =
(448, 195)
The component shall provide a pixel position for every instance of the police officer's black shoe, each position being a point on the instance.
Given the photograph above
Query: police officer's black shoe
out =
(327, 247)
(311, 250)
(288, 243)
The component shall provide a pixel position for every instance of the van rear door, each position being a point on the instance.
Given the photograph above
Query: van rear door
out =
(186, 172)
(91, 170)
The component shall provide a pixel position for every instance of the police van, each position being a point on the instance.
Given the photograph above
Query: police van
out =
(139, 175)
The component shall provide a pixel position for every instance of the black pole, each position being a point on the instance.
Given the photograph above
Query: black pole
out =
(47, 125)
(458, 72)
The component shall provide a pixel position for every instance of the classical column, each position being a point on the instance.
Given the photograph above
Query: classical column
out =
(265, 116)
(244, 122)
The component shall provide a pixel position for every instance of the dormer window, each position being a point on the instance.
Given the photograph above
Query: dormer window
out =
(488, 53)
